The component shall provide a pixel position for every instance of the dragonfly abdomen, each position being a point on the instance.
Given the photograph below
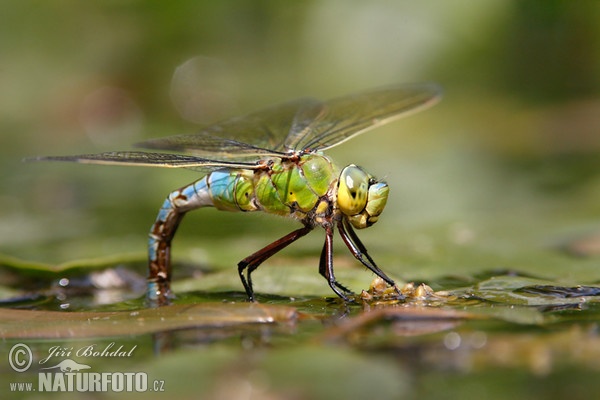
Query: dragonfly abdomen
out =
(232, 190)
(172, 211)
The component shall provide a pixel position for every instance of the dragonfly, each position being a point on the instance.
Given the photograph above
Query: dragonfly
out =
(272, 161)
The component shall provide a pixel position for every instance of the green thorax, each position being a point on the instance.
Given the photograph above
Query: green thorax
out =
(286, 187)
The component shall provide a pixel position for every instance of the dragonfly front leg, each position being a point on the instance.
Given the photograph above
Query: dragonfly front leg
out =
(253, 261)
(359, 251)
(326, 266)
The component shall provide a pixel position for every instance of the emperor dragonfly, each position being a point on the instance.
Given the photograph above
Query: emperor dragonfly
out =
(272, 161)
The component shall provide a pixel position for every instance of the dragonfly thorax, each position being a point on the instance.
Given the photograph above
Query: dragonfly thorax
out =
(360, 197)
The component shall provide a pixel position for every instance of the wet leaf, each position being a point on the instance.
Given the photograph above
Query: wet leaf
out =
(406, 321)
(17, 272)
(518, 290)
(55, 324)
(561, 292)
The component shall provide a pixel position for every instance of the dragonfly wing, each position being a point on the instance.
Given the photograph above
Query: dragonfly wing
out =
(205, 144)
(337, 120)
(261, 134)
(140, 158)
(303, 125)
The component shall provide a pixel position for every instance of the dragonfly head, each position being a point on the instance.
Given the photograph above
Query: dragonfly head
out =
(360, 196)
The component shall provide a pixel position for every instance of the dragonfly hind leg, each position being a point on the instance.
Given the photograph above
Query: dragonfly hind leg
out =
(326, 267)
(253, 261)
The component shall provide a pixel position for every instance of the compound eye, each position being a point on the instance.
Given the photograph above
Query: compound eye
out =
(353, 190)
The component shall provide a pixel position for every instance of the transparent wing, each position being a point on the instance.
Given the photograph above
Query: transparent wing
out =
(259, 134)
(322, 126)
(204, 144)
(303, 124)
(140, 158)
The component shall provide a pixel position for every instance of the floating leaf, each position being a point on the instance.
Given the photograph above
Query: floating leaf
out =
(17, 272)
(56, 324)
(407, 321)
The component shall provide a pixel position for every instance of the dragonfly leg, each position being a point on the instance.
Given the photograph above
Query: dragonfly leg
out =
(253, 261)
(326, 266)
(359, 251)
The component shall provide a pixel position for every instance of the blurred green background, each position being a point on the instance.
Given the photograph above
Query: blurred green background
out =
(506, 163)
(502, 175)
